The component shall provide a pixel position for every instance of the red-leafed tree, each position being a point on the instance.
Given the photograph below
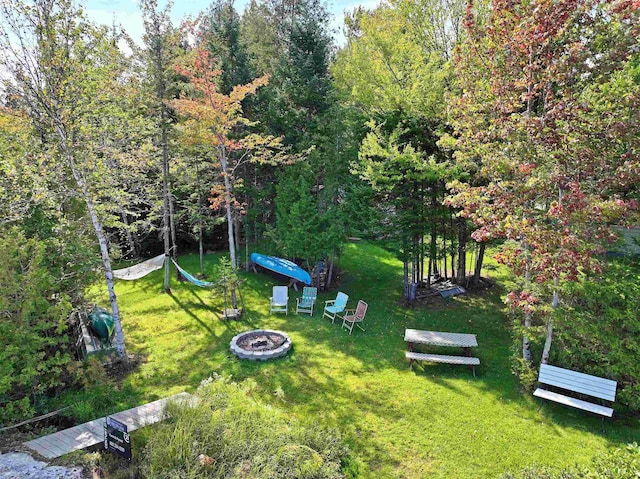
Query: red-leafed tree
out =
(214, 123)
(547, 121)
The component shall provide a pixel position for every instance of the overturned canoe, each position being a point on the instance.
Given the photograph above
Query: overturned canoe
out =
(281, 266)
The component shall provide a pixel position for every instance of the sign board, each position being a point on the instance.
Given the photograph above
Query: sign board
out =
(116, 438)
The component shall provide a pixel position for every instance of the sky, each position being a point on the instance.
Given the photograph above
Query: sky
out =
(126, 13)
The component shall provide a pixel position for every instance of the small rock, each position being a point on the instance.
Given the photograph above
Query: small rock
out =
(23, 466)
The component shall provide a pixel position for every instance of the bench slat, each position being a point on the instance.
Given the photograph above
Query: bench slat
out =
(580, 385)
(596, 381)
(441, 358)
(440, 338)
(577, 403)
(578, 382)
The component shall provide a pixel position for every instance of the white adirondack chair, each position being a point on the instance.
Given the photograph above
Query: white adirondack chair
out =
(280, 300)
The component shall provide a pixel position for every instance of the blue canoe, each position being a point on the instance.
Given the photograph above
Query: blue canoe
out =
(281, 266)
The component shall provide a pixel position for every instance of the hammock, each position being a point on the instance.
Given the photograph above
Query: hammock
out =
(139, 270)
(191, 279)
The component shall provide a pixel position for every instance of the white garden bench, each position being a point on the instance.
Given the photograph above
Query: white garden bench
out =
(579, 383)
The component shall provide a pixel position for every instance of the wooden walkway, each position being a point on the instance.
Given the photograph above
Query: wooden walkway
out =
(92, 432)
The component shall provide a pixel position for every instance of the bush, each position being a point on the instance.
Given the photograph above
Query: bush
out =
(32, 327)
(229, 434)
(598, 331)
(621, 463)
(44, 268)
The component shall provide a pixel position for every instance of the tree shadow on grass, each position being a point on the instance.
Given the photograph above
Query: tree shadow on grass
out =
(362, 381)
(333, 401)
(184, 307)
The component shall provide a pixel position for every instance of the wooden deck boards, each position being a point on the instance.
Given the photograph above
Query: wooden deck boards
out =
(92, 432)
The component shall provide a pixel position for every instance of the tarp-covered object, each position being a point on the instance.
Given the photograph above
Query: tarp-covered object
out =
(139, 270)
(101, 322)
(282, 266)
(192, 279)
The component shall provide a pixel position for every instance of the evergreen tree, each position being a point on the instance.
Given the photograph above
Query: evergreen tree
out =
(298, 229)
(221, 31)
(161, 45)
(396, 67)
(258, 33)
(300, 84)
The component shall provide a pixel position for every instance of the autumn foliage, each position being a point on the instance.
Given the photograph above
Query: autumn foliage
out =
(546, 121)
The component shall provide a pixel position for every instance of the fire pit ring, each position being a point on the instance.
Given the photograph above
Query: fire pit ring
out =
(260, 344)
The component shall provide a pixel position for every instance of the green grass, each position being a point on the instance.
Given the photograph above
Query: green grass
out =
(437, 421)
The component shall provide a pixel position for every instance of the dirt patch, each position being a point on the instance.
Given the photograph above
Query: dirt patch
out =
(12, 441)
(432, 299)
(117, 369)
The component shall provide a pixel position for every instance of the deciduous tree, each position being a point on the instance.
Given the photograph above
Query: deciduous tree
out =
(214, 121)
(541, 117)
(63, 68)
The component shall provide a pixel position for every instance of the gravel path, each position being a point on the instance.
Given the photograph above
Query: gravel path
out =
(18, 465)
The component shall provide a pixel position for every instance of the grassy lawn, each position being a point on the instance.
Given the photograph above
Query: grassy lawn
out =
(437, 421)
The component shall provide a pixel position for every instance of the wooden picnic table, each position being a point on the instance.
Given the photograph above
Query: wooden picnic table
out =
(438, 338)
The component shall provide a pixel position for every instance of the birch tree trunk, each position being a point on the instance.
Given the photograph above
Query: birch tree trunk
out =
(329, 278)
(433, 253)
(230, 229)
(526, 342)
(446, 273)
(554, 304)
(166, 190)
(405, 277)
(166, 212)
(200, 222)
(246, 247)
(462, 250)
(129, 237)
(104, 247)
(237, 232)
(201, 244)
(172, 227)
(227, 205)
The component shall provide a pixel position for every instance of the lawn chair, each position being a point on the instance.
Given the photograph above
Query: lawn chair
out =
(355, 317)
(280, 300)
(305, 304)
(334, 307)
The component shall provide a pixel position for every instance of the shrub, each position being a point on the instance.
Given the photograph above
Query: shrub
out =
(598, 331)
(32, 327)
(621, 463)
(229, 434)
(45, 266)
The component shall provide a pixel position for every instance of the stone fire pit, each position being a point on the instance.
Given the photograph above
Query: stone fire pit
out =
(260, 344)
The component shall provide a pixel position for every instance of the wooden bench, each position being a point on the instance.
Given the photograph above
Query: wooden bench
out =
(439, 338)
(441, 358)
(579, 383)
